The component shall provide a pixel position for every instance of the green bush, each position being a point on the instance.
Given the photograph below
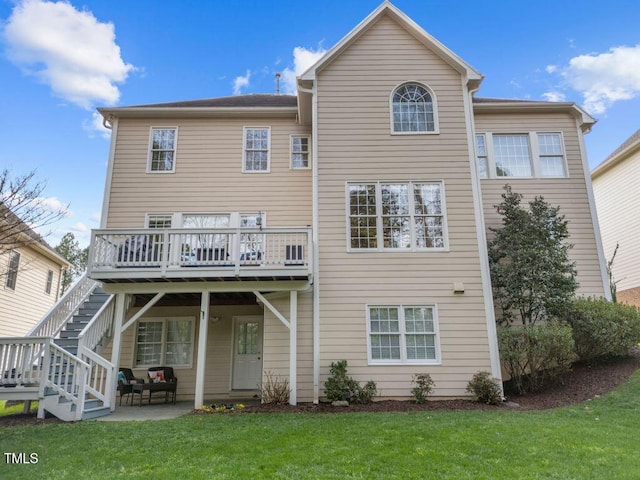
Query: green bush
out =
(423, 387)
(341, 387)
(603, 329)
(533, 355)
(485, 388)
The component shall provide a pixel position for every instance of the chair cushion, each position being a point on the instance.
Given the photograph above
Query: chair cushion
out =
(123, 378)
(157, 376)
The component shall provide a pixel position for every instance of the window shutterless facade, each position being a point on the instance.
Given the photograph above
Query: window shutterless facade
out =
(398, 216)
(521, 155)
(256, 151)
(49, 284)
(413, 110)
(12, 271)
(166, 341)
(300, 148)
(162, 150)
(403, 334)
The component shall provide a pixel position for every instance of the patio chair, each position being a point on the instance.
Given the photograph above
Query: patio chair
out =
(163, 380)
(126, 381)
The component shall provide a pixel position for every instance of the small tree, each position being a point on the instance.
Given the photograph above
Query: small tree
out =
(612, 281)
(532, 276)
(70, 249)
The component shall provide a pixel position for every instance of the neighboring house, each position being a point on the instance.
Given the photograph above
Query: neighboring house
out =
(615, 185)
(276, 233)
(30, 277)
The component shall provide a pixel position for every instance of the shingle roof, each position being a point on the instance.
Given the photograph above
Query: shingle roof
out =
(236, 101)
(627, 143)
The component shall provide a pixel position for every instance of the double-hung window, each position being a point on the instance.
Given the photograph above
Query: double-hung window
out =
(12, 271)
(167, 341)
(520, 155)
(399, 216)
(299, 151)
(49, 284)
(257, 142)
(403, 334)
(162, 151)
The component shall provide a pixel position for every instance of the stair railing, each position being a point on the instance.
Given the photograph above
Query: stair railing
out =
(63, 310)
(20, 360)
(99, 327)
(67, 376)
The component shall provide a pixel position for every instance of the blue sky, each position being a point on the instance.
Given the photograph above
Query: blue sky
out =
(59, 61)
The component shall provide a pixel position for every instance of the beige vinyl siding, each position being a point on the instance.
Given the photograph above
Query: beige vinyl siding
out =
(569, 193)
(617, 198)
(355, 144)
(208, 174)
(22, 308)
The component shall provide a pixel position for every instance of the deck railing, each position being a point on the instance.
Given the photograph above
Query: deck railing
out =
(21, 360)
(225, 249)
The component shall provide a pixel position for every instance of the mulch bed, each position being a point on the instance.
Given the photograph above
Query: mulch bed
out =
(584, 382)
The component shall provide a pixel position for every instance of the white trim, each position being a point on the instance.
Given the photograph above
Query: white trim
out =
(379, 233)
(106, 197)
(196, 287)
(202, 349)
(309, 149)
(149, 150)
(244, 148)
(434, 106)
(594, 215)
(481, 236)
(402, 332)
(316, 247)
(293, 348)
(148, 215)
(163, 360)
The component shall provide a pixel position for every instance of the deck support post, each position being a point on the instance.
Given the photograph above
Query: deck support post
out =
(119, 314)
(293, 347)
(202, 349)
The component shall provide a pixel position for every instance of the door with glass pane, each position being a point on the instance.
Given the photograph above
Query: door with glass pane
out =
(247, 352)
(205, 247)
(251, 244)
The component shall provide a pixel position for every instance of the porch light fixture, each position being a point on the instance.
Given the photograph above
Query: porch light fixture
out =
(259, 220)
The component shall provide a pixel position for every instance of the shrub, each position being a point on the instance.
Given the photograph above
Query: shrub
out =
(485, 388)
(533, 355)
(341, 387)
(273, 390)
(603, 329)
(423, 387)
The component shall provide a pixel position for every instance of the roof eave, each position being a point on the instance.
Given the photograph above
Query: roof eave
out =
(198, 112)
(616, 159)
(586, 120)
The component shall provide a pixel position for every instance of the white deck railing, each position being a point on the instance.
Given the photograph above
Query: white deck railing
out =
(61, 313)
(67, 376)
(179, 250)
(21, 360)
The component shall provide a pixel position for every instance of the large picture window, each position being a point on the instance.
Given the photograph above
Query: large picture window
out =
(403, 334)
(162, 154)
(396, 216)
(167, 341)
(413, 109)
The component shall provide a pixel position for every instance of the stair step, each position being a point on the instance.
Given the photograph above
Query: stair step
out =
(92, 403)
(97, 412)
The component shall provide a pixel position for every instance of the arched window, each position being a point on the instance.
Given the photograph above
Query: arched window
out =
(413, 109)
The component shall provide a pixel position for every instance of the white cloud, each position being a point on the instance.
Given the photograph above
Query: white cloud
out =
(554, 96)
(240, 82)
(94, 126)
(52, 204)
(303, 58)
(551, 68)
(80, 229)
(95, 217)
(605, 78)
(69, 50)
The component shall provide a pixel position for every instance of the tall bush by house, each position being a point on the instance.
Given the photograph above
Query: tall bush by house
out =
(533, 355)
(603, 329)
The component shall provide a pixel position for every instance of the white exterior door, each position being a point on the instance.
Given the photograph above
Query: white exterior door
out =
(247, 352)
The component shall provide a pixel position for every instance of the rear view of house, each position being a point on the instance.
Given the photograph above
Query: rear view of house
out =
(277, 234)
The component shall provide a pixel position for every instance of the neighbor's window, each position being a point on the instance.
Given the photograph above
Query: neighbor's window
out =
(299, 151)
(12, 271)
(481, 154)
(551, 155)
(256, 149)
(396, 216)
(49, 284)
(412, 109)
(164, 342)
(163, 149)
(512, 155)
(403, 334)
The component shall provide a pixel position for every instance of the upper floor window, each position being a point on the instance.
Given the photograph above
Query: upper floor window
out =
(413, 109)
(12, 272)
(162, 154)
(257, 142)
(396, 216)
(522, 155)
(299, 151)
(162, 220)
(49, 284)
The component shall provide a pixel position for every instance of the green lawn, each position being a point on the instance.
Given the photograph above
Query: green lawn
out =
(599, 439)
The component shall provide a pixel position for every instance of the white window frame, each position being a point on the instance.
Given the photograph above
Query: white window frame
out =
(485, 156)
(48, 286)
(150, 150)
(292, 153)
(244, 149)
(157, 216)
(163, 354)
(434, 105)
(379, 224)
(534, 152)
(11, 280)
(403, 360)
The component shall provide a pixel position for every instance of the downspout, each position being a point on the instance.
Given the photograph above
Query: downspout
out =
(492, 333)
(314, 236)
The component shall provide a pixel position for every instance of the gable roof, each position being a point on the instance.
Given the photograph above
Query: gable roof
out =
(629, 146)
